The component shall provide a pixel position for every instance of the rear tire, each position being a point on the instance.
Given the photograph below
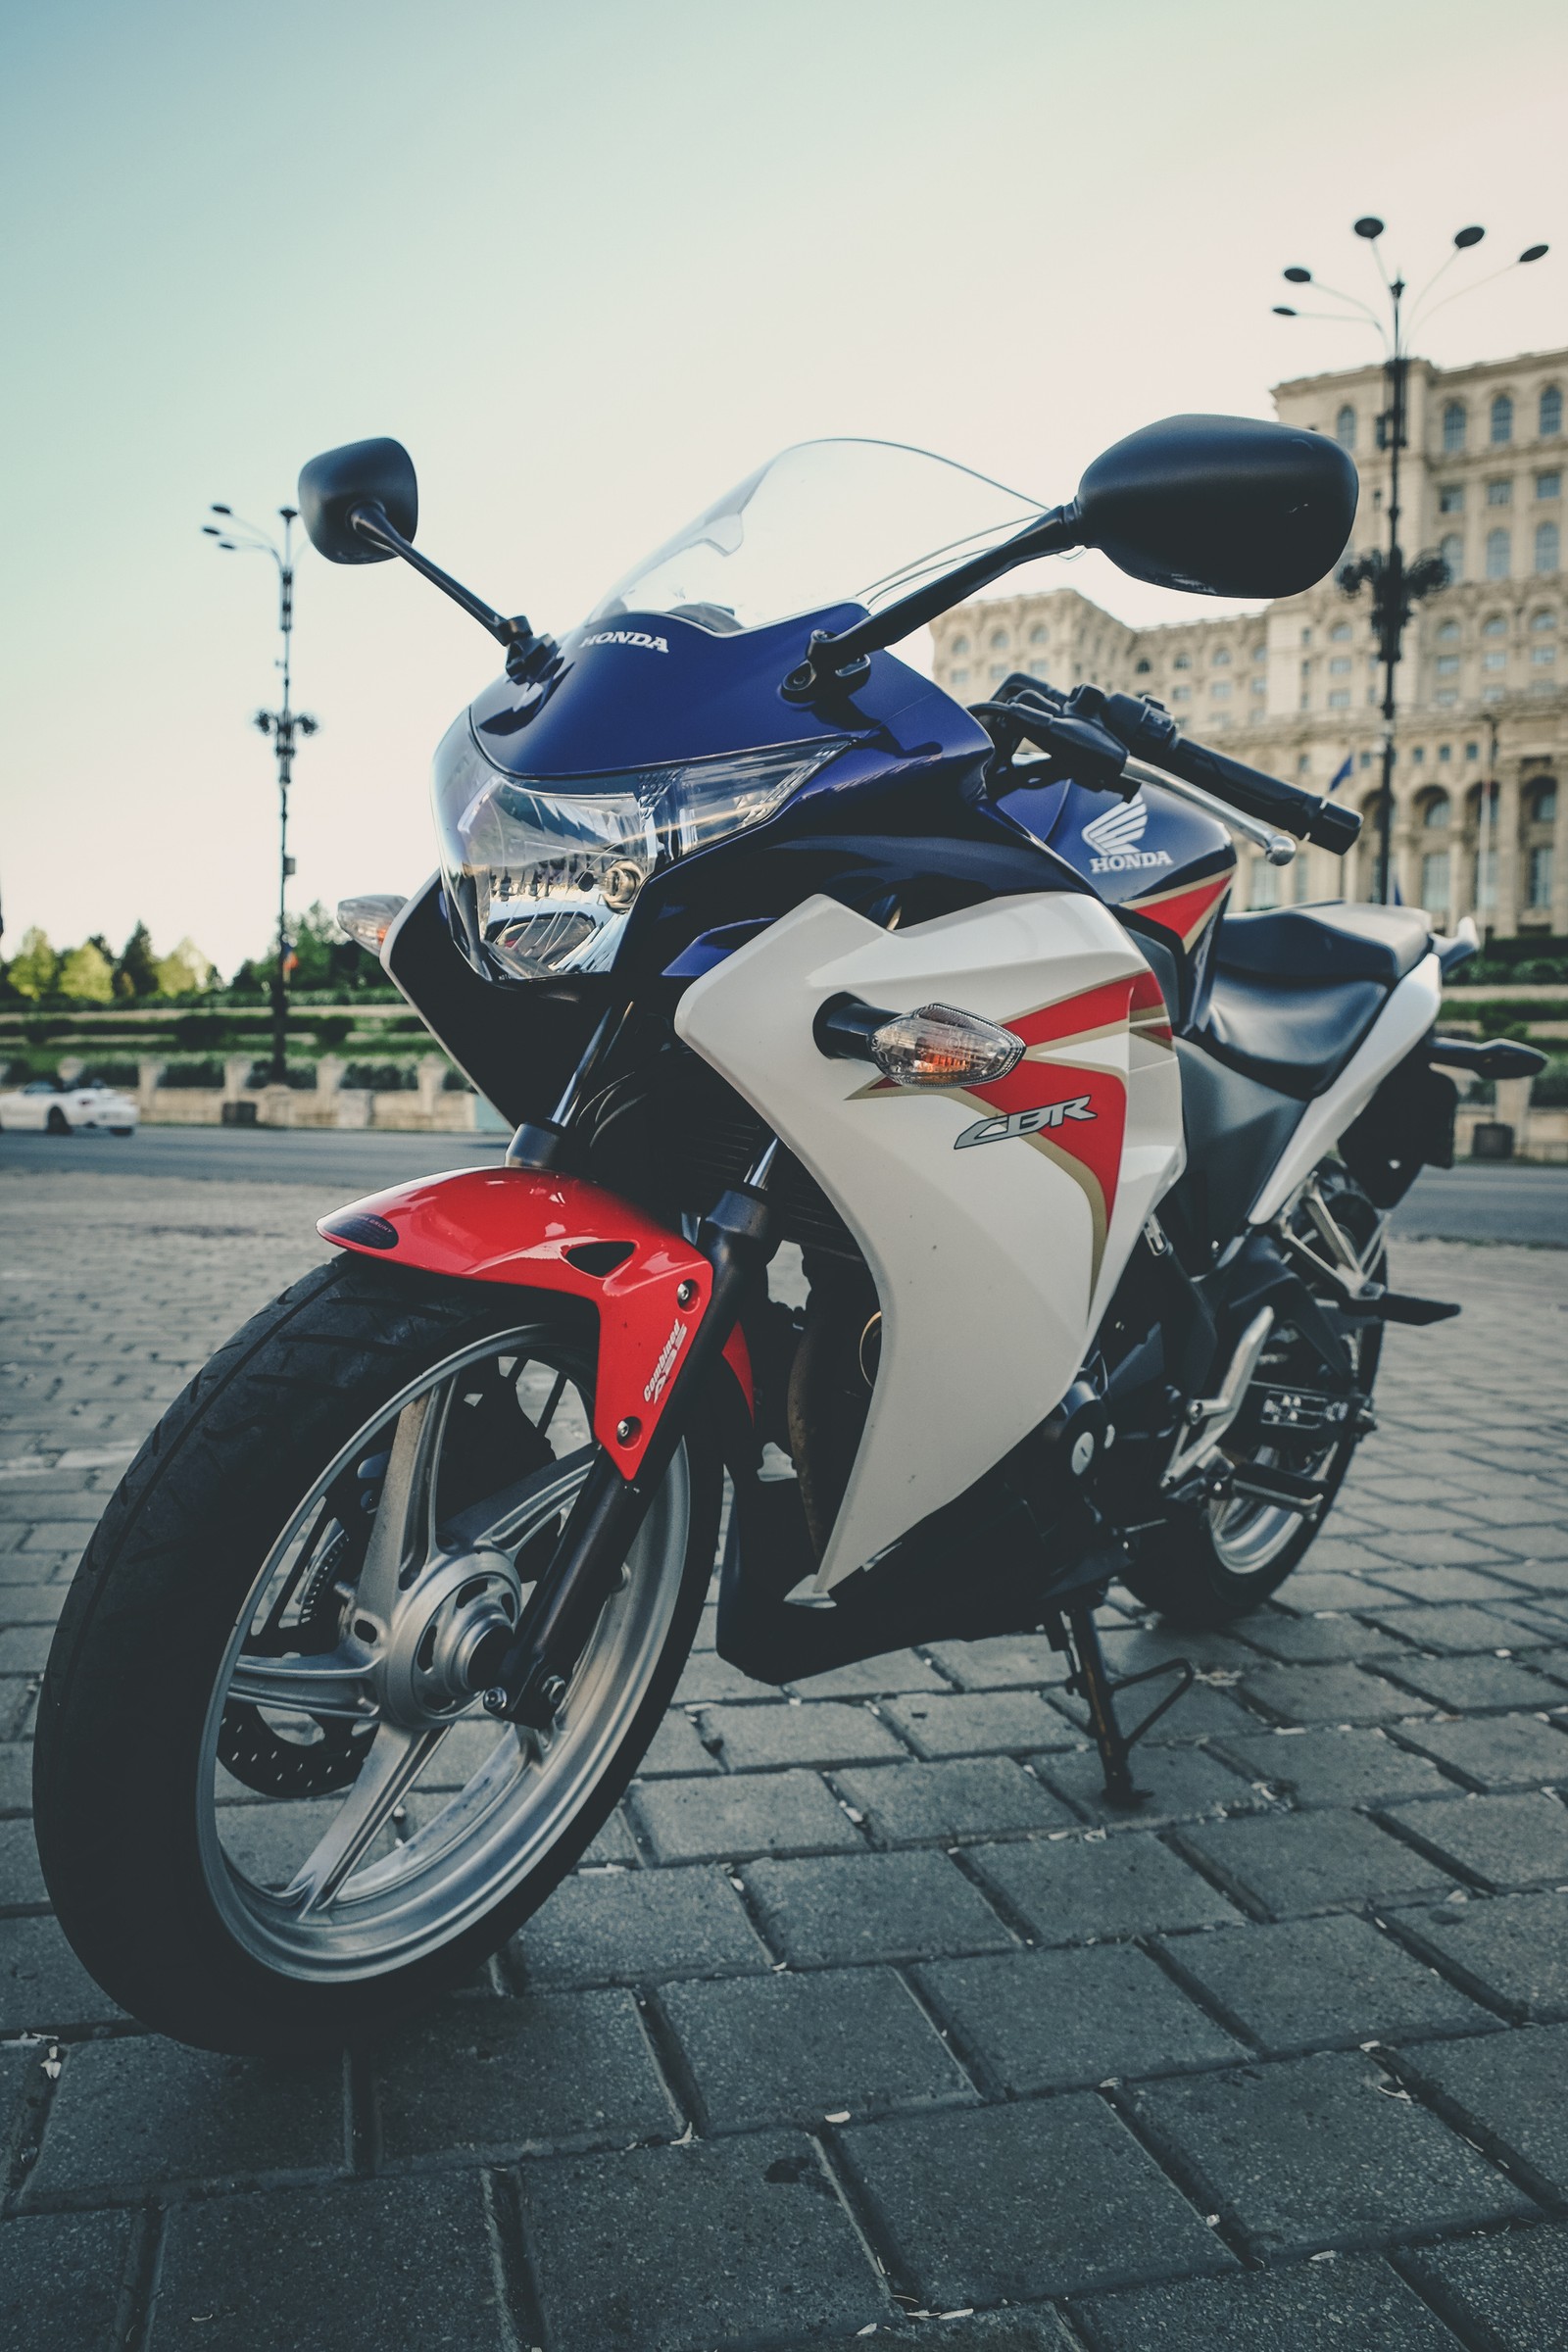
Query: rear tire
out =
(137, 1849)
(57, 1122)
(1209, 1568)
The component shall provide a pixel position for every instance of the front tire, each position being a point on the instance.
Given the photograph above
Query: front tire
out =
(57, 1122)
(354, 1489)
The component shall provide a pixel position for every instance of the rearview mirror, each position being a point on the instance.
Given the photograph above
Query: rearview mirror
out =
(1226, 506)
(361, 473)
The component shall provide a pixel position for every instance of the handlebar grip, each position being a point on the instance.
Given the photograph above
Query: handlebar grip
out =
(1154, 737)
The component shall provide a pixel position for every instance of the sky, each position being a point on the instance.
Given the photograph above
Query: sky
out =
(592, 263)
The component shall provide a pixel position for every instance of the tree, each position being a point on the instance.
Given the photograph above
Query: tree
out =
(34, 965)
(86, 975)
(136, 972)
(187, 972)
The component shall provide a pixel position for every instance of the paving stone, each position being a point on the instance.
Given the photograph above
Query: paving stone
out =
(708, 1680)
(1310, 1589)
(1511, 1949)
(782, 2049)
(1507, 2292)
(1305, 1984)
(1129, 1649)
(675, 1747)
(1461, 1630)
(1507, 2091)
(1421, 1583)
(1314, 2306)
(1327, 1640)
(905, 1906)
(491, 2076)
(1461, 1683)
(1502, 1843)
(871, 1677)
(1332, 1767)
(1003, 1663)
(127, 2114)
(25, 1648)
(1315, 2152)
(1178, 1784)
(1207, 1711)
(965, 2198)
(681, 2249)
(826, 1732)
(1289, 1864)
(43, 1986)
(1077, 1889)
(61, 2280)
(366, 2264)
(636, 1924)
(978, 1722)
(967, 1796)
(1309, 1695)
(32, 1605)
(730, 1815)
(1055, 2021)
(614, 1844)
(1498, 1751)
(21, 1878)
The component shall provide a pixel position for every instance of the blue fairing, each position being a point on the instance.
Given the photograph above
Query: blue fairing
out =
(1172, 843)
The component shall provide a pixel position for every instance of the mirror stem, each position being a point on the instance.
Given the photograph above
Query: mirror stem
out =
(839, 664)
(369, 522)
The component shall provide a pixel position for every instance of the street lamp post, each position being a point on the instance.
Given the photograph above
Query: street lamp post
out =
(283, 726)
(1397, 585)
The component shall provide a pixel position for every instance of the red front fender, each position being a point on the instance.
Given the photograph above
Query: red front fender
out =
(557, 1233)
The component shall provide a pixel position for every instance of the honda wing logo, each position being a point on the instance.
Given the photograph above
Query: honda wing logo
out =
(1115, 838)
(1024, 1122)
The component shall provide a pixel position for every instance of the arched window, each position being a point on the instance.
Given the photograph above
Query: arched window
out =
(1345, 427)
(1550, 418)
(1183, 661)
(959, 645)
(1501, 419)
(1499, 558)
(1141, 669)
(1448, 634)
(1340, 632)
(1455, 420)
(1223, 656)
(1545, 619)
(1496, 624)
(1452, 553)
(1039, 634)
(1547, 547)
(1435, 816)
(999, 641)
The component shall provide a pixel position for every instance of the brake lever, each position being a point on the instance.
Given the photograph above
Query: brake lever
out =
(1087, 750)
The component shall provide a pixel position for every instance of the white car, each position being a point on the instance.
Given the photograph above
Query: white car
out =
(61, 1109)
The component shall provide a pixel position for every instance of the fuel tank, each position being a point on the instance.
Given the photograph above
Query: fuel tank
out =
(1162, 867)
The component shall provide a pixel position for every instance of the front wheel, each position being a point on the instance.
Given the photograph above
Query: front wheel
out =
(272, 1815)
(57, 1122)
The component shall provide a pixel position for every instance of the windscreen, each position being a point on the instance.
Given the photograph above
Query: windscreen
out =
(828, 522)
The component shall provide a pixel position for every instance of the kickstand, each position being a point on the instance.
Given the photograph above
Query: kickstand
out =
(1089, 1679)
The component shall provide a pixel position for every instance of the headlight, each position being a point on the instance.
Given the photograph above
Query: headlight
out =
(541, 875)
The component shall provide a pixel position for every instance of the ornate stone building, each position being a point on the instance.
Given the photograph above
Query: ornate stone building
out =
(1481, 733)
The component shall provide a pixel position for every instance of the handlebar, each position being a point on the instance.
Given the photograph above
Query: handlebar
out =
(1154, 736)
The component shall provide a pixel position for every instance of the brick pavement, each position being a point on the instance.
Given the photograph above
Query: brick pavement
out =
(863, 2010)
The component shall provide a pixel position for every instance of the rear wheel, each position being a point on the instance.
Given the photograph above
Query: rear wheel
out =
(57, 1122)
(1203, 1568)
(272, 1815)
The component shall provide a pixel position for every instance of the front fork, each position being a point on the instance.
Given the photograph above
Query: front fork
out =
(523, 1676)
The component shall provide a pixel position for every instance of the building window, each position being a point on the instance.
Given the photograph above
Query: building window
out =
(1450, 499)
(1222, 657)
(999, 641)
(1495, 661)
(1545, 547)
(1306, 636)
(957, 677)
(1550, 410)
(1340, 699)
(1472, 750)
(1340, 633)
(1548, 485)
(1260, 653)
(1445, 753)
(1485, 873)
(998, 671)
(1435, 816)
(1366, 759)
(1453, 425)
(1496, 624)
(1183, 661)
(1545, 619)
(1445, 697)
(1220, 690)
(1449, 633)
(959, 645)
(1141, 669)
(1499, 493)
(1340, 666)
(1544, 807)
(1434, 882)
(1542, 655)
(1180, 694)
(1418, 756)
(1447, 666)
(1263, 885)
(1452, 553)
(1499, 558)
(1541, 875)
(1345, 427)
(1501, 419)
(1260, 685)
(1039, 634)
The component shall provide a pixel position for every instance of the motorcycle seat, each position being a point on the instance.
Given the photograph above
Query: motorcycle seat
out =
(1294, 1035)
(1323, 944)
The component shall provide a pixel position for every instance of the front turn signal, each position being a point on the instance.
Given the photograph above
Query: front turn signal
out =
(939, 1046)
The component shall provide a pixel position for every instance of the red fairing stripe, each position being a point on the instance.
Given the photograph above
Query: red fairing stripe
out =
(511, 1226)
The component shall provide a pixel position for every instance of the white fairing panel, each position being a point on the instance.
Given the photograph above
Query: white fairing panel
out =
(994, 1239)
(1411, 1010)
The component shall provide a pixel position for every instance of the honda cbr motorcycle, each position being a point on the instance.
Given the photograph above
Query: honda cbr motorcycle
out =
(762, 941)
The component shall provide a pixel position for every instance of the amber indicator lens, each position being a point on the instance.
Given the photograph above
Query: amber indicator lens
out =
(940, 1046)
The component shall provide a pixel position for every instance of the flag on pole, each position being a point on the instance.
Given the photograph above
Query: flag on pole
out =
(1341, 774)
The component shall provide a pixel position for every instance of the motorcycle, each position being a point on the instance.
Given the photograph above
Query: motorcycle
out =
(763, 942)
